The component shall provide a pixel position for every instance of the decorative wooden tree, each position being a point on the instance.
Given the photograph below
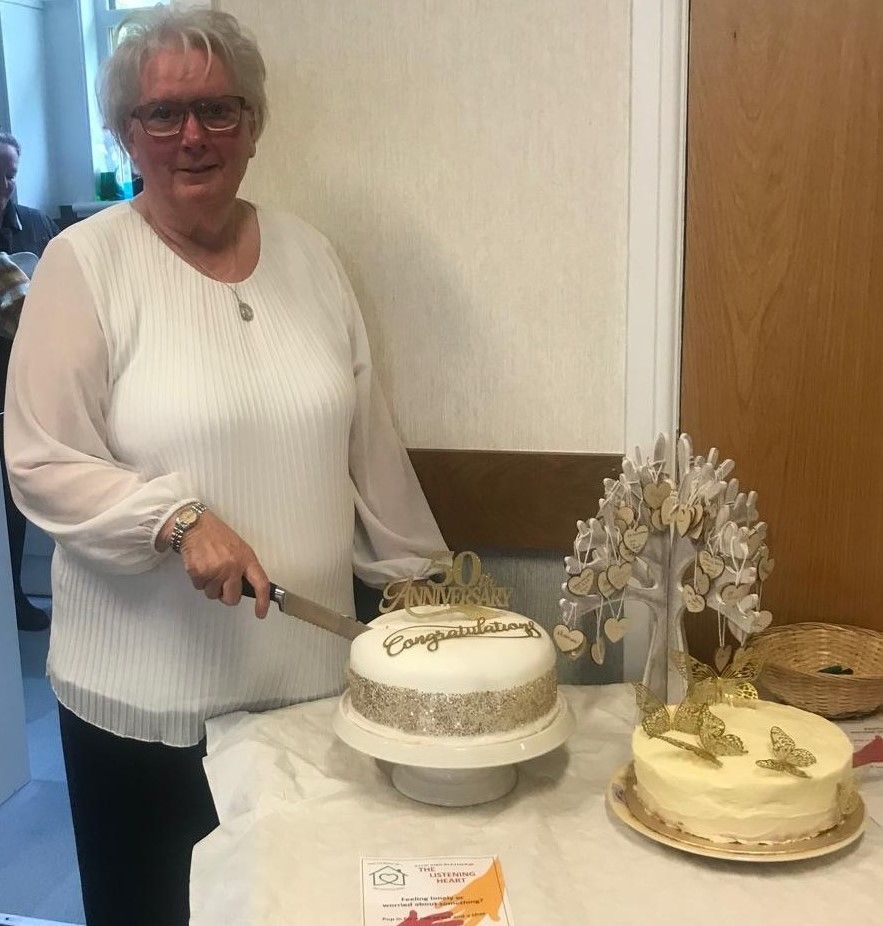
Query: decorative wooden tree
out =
(675, 532)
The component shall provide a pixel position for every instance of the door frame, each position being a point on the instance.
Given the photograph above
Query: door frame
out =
(656, 224)
(657, 182)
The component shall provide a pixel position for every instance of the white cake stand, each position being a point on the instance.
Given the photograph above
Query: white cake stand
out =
(451, 774)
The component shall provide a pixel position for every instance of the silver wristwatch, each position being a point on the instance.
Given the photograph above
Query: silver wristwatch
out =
(187, 518)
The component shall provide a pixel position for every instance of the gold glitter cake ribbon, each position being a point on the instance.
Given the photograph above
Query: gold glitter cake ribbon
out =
(475, 713)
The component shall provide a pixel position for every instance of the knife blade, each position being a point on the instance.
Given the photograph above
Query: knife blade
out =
(310, 611)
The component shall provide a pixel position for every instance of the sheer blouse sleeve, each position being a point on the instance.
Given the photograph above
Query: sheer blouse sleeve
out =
(62, 474)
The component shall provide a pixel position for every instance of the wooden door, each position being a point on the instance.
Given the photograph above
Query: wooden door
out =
(783, 311)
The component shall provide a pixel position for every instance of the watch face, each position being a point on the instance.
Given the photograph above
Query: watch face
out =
(188, 518)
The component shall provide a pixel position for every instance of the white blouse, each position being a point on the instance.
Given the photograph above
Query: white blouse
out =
(135, 387)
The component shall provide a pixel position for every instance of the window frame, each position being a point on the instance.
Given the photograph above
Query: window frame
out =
(106, 19)
(103, 22)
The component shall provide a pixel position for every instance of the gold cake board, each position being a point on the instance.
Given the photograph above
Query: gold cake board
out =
(624, 803)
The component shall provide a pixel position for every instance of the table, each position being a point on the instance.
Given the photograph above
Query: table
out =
(298, 810)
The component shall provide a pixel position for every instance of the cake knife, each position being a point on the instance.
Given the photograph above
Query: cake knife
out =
(310, 611)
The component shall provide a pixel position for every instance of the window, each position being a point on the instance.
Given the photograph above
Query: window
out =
(110, 13)
(112, 167)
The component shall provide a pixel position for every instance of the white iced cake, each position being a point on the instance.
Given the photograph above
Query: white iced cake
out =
(741, 801)
(441, 673)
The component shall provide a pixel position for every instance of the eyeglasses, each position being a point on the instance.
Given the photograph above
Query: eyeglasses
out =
(164, 118)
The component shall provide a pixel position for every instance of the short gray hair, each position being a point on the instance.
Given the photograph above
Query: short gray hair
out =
(147, 31)
(7, 138)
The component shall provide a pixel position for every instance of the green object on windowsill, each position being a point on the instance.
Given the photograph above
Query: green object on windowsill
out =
(836, 670)
(107, 187)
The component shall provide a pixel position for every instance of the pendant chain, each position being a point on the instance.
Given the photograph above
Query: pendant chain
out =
(246, 312)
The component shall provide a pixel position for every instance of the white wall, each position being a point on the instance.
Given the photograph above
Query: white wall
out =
(21, 28)
(469, 160)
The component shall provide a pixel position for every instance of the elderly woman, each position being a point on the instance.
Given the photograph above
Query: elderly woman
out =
(192, 371)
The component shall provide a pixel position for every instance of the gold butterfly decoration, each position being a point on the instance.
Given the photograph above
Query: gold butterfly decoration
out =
(656, 717)
(713, 736)
(735, 684)
(703, 754)
(688, 718)
(788, 758)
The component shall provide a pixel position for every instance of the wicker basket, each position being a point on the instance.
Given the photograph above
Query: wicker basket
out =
(794, 653)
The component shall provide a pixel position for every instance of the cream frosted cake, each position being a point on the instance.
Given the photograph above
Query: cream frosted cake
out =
(445, 674)
(794, 779)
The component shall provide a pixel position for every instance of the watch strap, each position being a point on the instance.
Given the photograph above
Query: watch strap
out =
(181, 526)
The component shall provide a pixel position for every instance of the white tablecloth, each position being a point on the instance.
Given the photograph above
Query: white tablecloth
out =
(298, 810)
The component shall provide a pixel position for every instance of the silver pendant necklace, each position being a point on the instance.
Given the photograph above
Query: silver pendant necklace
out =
(246, 312)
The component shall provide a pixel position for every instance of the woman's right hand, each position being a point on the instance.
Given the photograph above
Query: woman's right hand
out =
(216, 558)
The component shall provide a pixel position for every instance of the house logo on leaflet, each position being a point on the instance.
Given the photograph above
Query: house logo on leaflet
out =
(463, 586)
(387, 877)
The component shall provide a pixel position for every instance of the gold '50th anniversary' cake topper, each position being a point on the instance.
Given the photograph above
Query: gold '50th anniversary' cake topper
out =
(457, 581)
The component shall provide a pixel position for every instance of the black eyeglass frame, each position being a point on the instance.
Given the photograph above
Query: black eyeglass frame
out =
(189, 106)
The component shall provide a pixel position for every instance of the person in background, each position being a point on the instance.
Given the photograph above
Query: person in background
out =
(21, 230)
(190, 403)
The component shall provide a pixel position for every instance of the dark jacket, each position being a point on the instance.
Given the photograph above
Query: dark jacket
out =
(24, 229)
(21, 229)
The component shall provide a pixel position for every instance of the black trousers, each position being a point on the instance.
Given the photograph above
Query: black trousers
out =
(138, 809)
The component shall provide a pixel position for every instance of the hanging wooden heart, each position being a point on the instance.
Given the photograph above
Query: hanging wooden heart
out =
(696, 532)
(635, 538)
(570, 642)
(711, 565)
(762, 620)
(605, 586)
(669, 509)
(683, 519)
(616, 629)
(765, 568)
(656, 493)
(619, 575)
(755, 539)
(583, 583)
(701, 582)
(695, 603)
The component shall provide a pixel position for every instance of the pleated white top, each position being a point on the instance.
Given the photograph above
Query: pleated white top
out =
(134, 387)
